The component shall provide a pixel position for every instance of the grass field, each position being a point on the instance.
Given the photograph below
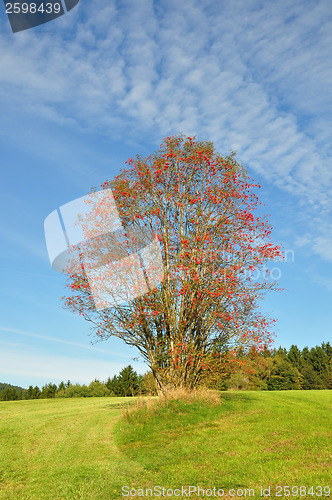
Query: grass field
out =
(85, 449)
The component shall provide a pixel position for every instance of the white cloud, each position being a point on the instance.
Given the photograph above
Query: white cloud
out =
(29, 363)
(322, 246)
(24, 241)
(61, 341)
(323, 281)
(170, 73)
(314, 244)
(258, 82)
(40, 368)
(303, 240)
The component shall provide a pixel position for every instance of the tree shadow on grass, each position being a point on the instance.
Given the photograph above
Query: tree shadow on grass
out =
(243, 398)
(117, 406)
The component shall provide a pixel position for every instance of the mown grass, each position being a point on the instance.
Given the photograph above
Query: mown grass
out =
(62, 449)
(251, 439)
(87, 449)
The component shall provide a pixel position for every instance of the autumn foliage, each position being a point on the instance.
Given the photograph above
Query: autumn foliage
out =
(201, 207)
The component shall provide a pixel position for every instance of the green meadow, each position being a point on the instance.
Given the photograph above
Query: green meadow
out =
(92, 448)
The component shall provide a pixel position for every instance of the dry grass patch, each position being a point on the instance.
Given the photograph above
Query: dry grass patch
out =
(149, 405)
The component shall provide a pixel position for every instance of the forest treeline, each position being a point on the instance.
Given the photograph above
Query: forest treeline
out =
(273, 369)
(270, 369)
(127, 383)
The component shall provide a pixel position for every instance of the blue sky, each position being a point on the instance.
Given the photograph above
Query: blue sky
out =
(109, 80)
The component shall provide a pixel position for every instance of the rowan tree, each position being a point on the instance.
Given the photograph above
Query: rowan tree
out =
(200, 207)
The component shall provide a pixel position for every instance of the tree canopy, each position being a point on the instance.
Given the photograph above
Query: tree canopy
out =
(199, 206)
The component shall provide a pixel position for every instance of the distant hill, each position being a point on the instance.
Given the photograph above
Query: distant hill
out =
(17, 388)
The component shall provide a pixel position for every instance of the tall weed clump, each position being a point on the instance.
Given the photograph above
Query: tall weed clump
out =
(172, 401)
